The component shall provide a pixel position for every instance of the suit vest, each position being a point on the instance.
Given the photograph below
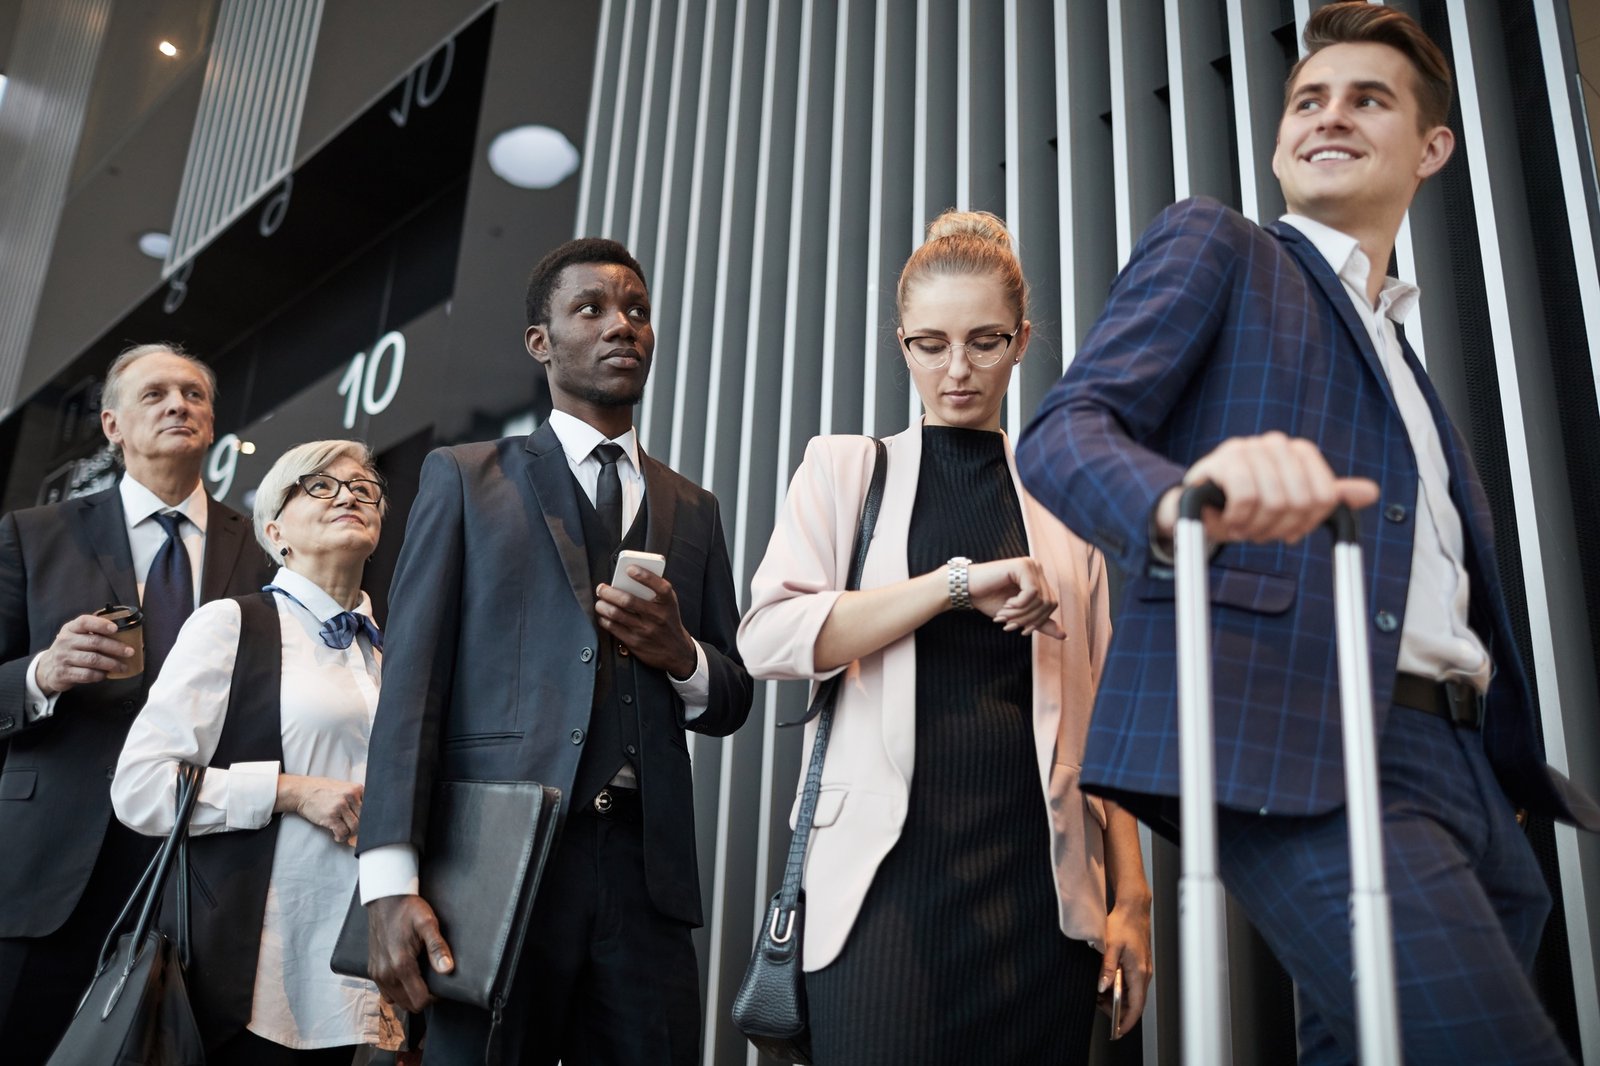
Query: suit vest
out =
(229, 872)
(614, 715)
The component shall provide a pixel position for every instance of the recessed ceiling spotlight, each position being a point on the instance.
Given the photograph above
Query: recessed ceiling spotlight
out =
(155, 245)
(533, 157)
(167, 48)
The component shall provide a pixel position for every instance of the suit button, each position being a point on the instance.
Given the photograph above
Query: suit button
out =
(1386, 622)
(7, 722)
(111, 771)
(631, 750)
(577, 736)
(1395, 512)
(622, 650)
(626, 698)
(585, 655)
(125, 705)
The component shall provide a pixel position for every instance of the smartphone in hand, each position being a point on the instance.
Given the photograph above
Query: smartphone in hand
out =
(1116, 1005)
(645, 560)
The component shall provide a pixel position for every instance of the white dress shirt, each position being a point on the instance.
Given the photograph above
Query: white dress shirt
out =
(145, 538)
(327, 699)
(1435, 639)
(392, 869)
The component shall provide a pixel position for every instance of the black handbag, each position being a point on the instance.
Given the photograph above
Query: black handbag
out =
(136, 1011)
(770, 1009)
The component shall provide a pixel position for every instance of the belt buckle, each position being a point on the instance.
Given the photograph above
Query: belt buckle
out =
(603, 801)
(1462, 701)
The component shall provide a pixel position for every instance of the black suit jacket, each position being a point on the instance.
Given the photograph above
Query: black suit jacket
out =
(491, 648)
(57, 562)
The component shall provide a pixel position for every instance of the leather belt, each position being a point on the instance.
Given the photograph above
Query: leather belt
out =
(614, 803)
(1454, 701)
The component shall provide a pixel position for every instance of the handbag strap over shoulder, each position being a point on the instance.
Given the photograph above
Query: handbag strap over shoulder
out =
(827, 696)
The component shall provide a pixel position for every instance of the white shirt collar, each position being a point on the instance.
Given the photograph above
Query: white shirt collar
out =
(139, 503)
(578, 438)
(313, 598)
(1343, 253)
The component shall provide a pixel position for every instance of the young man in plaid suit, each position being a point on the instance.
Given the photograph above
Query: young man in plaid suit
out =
(1273, 361)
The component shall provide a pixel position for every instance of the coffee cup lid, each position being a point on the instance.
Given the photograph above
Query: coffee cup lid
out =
(125, 617)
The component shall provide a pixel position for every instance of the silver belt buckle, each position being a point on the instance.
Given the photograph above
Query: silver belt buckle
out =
(603, 801)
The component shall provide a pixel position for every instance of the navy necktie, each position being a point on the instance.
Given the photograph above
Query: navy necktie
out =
(168, 594)
(341, 629)
(608, 490)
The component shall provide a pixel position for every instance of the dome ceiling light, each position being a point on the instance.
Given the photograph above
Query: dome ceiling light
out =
(533, 157)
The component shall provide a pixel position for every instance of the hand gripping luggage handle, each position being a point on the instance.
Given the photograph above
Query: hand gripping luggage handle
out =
(1204, 967)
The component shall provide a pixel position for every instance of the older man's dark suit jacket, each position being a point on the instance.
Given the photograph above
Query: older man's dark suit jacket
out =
(491, 649)
(1219, 328)
(57, 562)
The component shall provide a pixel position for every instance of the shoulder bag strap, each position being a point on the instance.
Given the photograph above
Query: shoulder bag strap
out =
(828, 692)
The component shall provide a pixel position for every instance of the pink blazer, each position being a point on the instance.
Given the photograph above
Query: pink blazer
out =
(866, 778)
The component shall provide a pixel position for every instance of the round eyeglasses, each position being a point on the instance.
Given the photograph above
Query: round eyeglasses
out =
(326, 487)
(984, 350)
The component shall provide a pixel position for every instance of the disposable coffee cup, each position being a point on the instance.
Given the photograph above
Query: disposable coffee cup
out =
(130, 631)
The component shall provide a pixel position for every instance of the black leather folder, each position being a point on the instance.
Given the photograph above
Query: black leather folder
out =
(487, 845)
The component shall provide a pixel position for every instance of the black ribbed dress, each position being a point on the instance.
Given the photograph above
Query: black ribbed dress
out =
(957, 955)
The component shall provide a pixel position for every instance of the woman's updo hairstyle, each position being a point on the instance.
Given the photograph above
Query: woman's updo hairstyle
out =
(967, 244)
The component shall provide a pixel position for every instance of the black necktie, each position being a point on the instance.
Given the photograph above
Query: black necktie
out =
(608, 490)
(168, 594)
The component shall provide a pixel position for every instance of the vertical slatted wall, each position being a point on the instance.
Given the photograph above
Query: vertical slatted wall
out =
(772, 165)
(249, 119)
(50, 72)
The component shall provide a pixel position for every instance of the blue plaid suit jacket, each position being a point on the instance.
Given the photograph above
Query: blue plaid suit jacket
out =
(1218, 328)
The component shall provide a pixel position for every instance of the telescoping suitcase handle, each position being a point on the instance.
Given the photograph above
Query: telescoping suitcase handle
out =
(1202, 940)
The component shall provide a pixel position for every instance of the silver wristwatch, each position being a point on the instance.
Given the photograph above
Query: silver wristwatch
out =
(956, 576)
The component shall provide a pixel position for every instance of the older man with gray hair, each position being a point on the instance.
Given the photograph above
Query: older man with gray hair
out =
(69, 690)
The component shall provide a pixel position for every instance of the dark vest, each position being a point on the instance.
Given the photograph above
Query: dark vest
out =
(614, 715)
(229, 872)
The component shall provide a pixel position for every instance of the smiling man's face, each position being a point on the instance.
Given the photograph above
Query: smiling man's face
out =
(1351, 151)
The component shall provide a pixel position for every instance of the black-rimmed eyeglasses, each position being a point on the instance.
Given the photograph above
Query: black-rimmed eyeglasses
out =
(984, 350)
(326, 487)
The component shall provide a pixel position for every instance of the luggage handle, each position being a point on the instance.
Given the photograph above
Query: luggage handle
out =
(1201, 898)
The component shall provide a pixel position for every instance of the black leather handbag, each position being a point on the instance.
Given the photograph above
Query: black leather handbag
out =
(136, 1011)
(770, 1009)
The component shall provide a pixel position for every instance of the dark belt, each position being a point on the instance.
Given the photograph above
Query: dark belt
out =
(613, 803)
(1454, 701)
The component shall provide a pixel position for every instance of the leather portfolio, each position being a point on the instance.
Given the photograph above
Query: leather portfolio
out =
(487, 845)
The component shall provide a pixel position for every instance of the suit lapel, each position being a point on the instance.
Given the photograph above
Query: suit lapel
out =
(1333, 290)
(661, 505)
(225, 539)
(107, 533)
(551, 477)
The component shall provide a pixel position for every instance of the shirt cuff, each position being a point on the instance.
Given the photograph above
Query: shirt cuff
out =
(694, 690)
(39, 705)
(388, 871)
(249, 792)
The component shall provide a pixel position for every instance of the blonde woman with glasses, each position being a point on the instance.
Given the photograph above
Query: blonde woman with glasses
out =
(957, 883)
(275, 692)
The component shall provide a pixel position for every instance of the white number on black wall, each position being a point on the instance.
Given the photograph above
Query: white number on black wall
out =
(359, 385)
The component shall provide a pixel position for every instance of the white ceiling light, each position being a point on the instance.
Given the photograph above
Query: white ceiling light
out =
(533, 157)
(154, 244)
(167, 48)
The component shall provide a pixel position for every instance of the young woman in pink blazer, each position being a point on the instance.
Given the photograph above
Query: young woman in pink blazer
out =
(970, 911)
